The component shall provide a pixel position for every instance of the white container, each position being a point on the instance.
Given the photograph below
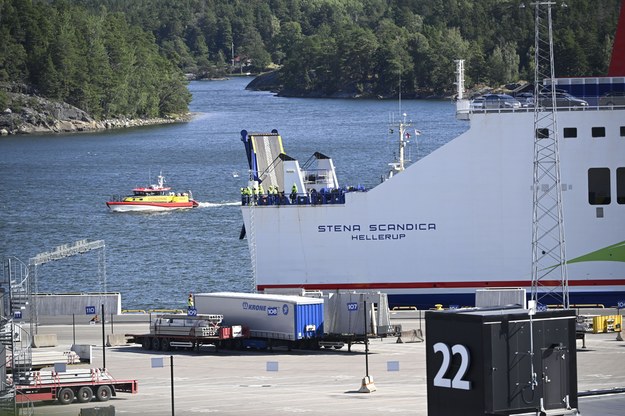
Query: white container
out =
(268, 316)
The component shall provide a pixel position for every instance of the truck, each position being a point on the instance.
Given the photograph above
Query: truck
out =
(81, 385)
(185, 331)
(234, 320)
(272, 320)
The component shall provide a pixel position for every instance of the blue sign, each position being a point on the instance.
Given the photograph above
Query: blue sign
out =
(285, 309)
(621, 304)
(17, 314)
(541, 308)
(90, 310)
(157, 362)
(272, 366)
(191, 311)
(273, 311)
(352, 306)
(392, 366)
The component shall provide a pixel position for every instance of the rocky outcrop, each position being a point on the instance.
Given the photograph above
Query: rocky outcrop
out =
(28, 114)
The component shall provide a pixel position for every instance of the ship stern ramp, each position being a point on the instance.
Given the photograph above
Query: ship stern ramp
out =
(264, 152)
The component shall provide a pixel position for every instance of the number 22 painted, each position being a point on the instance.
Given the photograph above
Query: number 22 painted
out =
(457, 382)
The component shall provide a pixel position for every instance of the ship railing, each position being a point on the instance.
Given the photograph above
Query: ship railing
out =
(322, 197)
(559, 109)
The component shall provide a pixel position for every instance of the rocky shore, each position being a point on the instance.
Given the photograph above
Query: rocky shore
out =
(30, 114)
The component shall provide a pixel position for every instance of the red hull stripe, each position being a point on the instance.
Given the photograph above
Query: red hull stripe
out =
(441, 285)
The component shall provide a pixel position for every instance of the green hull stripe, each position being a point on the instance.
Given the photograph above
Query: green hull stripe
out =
(615, 252)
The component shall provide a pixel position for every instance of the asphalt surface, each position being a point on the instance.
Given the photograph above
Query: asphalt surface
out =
(324, 382)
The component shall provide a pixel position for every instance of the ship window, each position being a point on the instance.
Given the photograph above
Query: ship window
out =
(599, 186)
(622, 131)
(542, 133)
(598, 132)
(620, 185)
(570, 132)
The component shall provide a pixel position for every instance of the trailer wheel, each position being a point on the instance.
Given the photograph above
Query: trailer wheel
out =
(145, 343)
(156, 344)
(85, 394)
(103, 393)
(165, 344)
(65, 396)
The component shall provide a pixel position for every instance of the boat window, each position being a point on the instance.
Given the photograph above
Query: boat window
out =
(570, 132)
(599, 186)
(622, 131)
(598, 132)
(620, 185)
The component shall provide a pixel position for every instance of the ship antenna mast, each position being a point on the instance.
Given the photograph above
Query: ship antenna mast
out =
(549, 274)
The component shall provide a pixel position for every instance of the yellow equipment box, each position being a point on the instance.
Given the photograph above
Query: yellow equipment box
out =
(607, 323)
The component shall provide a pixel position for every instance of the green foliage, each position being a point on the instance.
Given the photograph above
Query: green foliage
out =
(92, 59)
(125, 56)
(4, 100)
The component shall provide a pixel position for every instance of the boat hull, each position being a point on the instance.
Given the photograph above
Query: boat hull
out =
(149, 207)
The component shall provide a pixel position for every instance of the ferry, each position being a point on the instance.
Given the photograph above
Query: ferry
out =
(456, 221)
(153, 198)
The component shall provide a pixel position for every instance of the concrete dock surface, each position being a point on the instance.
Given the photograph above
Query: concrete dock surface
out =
(324, 382)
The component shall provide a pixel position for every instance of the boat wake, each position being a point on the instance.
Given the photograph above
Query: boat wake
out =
(218, 204)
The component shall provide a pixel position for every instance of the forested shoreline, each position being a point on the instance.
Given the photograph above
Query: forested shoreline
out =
(128, 58)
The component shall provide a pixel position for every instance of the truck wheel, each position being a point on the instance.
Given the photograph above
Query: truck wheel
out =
(103, 393)
(85, 394)
(65, 396)
(165, 344)
(156, 344)
(145, 343)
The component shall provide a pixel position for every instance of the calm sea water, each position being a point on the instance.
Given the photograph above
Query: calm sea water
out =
(53, 188)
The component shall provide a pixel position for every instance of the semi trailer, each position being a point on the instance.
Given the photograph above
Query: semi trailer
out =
(65, 387)
(185, 331)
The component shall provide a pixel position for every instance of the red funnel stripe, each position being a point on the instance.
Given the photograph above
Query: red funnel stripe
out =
(617, 64)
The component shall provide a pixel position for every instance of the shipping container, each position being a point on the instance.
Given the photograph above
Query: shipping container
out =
(344, 314)
(277, 317)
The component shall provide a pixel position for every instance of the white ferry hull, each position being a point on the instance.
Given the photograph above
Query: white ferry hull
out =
(458, 220)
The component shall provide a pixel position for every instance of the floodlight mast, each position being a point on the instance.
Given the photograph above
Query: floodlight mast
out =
(549, 274)
(61, 252)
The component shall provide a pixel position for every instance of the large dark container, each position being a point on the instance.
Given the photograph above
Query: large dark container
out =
(479, 362)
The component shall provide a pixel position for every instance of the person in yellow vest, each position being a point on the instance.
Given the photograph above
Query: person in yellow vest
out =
(261, 190)
(293, 193)
(248, 192)
(190, 301)
(255, 194)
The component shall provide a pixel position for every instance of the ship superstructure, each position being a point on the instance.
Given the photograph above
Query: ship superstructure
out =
(457, 220)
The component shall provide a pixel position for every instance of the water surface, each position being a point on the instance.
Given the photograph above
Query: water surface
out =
(53, 188)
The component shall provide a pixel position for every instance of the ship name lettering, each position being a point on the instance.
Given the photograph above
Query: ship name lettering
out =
(377, 237)
(337, 228)
(402, 227)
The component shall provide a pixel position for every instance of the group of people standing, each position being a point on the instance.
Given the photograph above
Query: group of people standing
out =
(257, 194)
